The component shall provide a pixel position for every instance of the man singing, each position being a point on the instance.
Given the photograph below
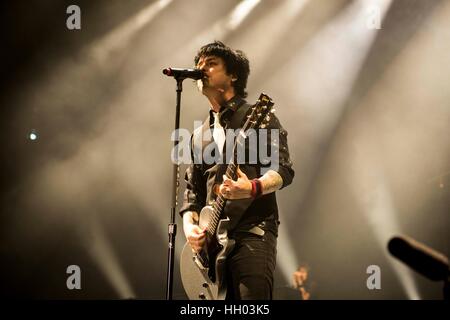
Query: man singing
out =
(251, 201)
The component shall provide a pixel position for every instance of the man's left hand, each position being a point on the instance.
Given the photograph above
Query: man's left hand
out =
(236, 189)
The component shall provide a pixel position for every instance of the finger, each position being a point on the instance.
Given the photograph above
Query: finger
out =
(225, 195)
(201, 236)
(226, 191)
(196, 236)
(225, 188)
(197, 230)
(229, 183)
(240, 173)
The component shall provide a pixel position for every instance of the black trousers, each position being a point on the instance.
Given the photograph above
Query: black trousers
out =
(250, 267)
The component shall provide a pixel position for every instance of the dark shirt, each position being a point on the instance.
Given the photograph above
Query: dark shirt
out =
(202, 176)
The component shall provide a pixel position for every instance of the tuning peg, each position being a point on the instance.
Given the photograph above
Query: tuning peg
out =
(262, 126)
(272, 111)
(267, 118)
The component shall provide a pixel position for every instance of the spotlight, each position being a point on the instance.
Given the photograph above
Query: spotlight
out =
(33, 135)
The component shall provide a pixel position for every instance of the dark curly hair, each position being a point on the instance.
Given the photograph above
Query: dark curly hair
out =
(236, 63)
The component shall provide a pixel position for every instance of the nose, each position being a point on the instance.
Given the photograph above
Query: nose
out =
(203, 67)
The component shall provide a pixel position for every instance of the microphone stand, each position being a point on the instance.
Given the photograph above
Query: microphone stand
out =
(172, 228)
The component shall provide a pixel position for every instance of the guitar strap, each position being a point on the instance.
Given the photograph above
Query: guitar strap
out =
(237, 119)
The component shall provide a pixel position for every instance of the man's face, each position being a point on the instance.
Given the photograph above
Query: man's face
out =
(216, 78)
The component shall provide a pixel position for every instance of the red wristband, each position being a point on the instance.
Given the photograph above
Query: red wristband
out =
(256, 188)
(253, 192)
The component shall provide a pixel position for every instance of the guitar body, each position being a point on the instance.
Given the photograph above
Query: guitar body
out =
(203, 274)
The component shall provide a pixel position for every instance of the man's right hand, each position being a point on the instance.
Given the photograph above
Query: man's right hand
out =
(195, 235)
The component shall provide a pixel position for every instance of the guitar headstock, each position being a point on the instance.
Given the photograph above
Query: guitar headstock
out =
(261, 112)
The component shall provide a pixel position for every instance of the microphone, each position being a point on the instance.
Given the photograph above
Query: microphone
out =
(184, 73)
(421, 258)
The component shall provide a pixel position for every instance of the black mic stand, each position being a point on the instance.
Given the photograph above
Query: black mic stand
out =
(175, 184)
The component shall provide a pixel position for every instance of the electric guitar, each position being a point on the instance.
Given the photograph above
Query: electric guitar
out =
(203, 273)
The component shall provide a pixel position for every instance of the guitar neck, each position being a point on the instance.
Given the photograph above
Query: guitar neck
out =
(220, 201)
